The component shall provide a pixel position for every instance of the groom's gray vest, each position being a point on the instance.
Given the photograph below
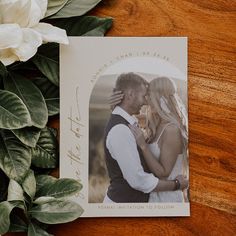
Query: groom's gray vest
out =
(119, 189)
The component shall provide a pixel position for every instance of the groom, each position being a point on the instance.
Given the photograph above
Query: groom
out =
(130, 178)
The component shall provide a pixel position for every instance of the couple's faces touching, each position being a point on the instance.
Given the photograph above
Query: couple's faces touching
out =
(143, 97)
(140, 98)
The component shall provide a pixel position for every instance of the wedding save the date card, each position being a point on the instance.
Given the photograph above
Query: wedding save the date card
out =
(124, 124)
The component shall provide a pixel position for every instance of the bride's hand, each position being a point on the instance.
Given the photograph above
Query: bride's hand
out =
(115, 98)
(183, 181)
(138, 134)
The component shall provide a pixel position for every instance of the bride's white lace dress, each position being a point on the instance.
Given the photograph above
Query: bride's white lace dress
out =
(168, 196)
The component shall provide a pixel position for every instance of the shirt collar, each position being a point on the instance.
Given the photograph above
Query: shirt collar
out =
(120, 111)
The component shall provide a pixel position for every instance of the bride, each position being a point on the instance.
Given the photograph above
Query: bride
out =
(165, 145)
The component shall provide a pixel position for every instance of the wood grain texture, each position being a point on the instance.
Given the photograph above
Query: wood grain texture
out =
(210, 28)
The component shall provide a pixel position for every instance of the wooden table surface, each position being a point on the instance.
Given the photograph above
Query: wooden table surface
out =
(210, 27)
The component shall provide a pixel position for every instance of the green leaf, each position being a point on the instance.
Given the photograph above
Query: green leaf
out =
(48, 66)
(15, 158)
(13, 112)
(50, 93)
(51, 50)
(43, 200)
(35, 230)
(56, 212)
(3, 70)
(17, 224)
(29, 184)
(41, 171)
(45, 154)
(53, 106)
(5, 209)
(3, 186)
(28, 135)
(31, 96)
(54, 131)
(42, 180)
(15, 191)
(54, 6)
(23, 68)
(84, 26)
(60, 188)
(75, 8)
(3, 74)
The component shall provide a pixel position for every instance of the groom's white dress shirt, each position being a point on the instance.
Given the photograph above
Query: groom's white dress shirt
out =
(122, 146)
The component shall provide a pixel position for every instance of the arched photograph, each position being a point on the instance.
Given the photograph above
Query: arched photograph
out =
(138, 133)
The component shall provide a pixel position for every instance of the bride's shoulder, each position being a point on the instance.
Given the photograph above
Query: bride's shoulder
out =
(172, 138)
(172, 131)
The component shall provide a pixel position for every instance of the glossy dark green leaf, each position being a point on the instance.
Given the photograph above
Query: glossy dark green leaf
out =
(54, 6)
(15, 191)
(60, 188)
(31, 96)
(35, 230)
(3, 70)
(42, 180)
(1, 83)
(75, 8)
(84, 26)
(29, 184)
(28, 135)
(50, 93)
(49, 52)
(56, 212)
(54, 131)
(45, 154)
(15, 158)
(49, 49)
(48, 67)
(43, 200)
(13, 112)
(23, 68)
(3, 74)
(5, 210)
(53, 106)
(17, 224)
(41, 171)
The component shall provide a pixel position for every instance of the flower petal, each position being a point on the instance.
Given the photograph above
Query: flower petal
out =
(51, 33)
(7, 57)
(43, 6)
(36, 12)
(15, 11)
(10, 36)
(30, 43)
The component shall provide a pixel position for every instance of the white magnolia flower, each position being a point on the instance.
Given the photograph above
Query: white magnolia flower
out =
(20, 31)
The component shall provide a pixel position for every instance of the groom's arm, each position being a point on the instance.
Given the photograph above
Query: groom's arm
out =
(123, 148)
(179, 183)
(165, 185)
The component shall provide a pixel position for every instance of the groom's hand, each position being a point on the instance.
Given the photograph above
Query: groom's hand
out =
(182, 181)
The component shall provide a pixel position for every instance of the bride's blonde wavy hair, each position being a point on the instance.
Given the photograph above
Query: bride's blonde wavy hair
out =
(166, 104)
